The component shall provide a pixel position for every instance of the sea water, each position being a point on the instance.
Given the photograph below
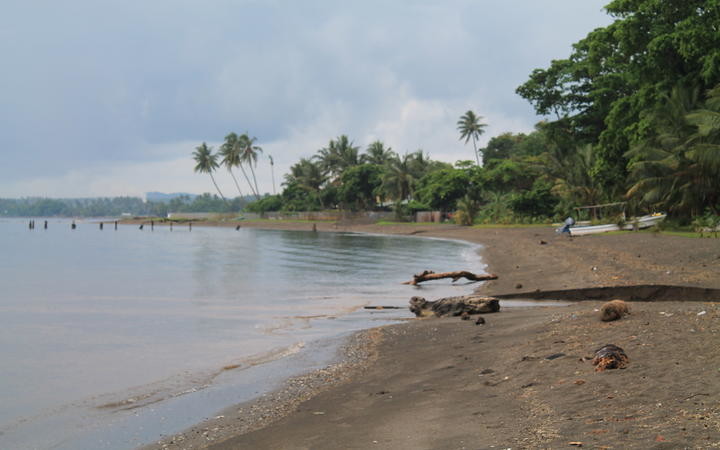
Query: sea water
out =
(113, 338)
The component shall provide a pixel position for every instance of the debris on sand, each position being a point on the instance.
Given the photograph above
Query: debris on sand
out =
(613, 310)
(610, 356)
(454, 306)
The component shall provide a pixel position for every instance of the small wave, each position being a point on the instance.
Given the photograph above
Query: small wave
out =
(190, 383)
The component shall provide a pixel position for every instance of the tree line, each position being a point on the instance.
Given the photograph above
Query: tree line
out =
(116, 206)
(633, 116)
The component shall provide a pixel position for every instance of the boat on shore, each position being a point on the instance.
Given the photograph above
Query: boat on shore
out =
(633, 224)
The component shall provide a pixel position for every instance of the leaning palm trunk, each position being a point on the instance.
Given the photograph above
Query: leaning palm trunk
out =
(257, 191)
(249, 183)
(216, 187)
(236, 182)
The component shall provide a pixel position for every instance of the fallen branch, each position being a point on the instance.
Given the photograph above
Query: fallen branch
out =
(454, 306)
(429, 275)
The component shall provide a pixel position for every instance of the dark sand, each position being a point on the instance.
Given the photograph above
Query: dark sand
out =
(447, 383)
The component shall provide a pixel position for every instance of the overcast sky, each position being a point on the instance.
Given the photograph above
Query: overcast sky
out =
(106, 98)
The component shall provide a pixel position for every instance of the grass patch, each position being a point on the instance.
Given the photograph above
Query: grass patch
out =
(390, 222)
(512, 225)
(283, 221)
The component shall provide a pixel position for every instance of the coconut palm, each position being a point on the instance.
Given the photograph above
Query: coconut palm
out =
(272, 172)
(399, 180)
(573, 175)
(677, 169)
(338, 156)
(376, 153)
(306, 174)
(231, 157)
(470, 127)
(207, 163)
(248, 155)
(233, 148)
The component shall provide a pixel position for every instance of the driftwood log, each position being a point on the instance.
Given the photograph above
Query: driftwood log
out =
(454, 306)
(429, 275)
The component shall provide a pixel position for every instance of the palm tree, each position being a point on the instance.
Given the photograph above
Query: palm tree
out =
(306, 174)
(376, 153)
(272, 172)
(677, 169)
(231, 157)
(207, 163)
(233, 147)
(399, 180)
(338, 156)
(573, 175)
(470, 127)
(248, 155)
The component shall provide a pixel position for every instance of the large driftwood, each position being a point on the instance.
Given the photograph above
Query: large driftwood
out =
(429, 275)
(454, 306)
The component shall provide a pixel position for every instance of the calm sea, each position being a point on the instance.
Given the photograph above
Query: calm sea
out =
(110, 339)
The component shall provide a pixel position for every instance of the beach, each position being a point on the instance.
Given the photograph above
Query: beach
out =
(522, 380)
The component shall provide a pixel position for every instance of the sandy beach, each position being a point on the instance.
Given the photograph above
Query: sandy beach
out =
(524, 379)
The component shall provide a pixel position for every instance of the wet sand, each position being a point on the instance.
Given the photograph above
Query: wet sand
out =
(447, 383)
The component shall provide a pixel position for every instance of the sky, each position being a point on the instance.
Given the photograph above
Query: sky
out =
(110, 98)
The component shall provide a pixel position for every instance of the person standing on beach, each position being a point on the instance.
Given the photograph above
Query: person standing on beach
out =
(568, 223)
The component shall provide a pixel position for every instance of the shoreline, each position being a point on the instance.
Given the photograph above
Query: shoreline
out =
(554, 264)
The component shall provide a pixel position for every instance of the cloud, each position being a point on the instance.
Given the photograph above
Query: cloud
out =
(104, 91)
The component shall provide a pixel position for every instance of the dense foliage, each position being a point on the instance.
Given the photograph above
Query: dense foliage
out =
(634, 104)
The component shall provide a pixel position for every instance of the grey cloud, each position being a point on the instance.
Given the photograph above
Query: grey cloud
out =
(96, 82)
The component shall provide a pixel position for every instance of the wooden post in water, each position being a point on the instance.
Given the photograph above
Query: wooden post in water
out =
(116, 225)
(152, 225)
(72, 225)
(314, 227)
(190, 226)
(101, 226)
(30, 225)
(170, 226)
(45, 226)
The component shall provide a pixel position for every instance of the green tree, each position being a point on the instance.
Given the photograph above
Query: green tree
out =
(232, 150)
(249, 155)
(206, 162)
(470, 127)
(359, 187)
(230, 154)
(601, 93)
(376, 153)
(441, 189)
(339, 155)
(398, 181)
(677, 168)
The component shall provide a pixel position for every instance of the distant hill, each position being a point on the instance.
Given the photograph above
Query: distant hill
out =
(165, 198)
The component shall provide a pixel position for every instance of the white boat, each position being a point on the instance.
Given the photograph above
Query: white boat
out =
(639, 223)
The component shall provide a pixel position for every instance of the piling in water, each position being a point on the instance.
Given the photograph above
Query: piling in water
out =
(101, 226)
